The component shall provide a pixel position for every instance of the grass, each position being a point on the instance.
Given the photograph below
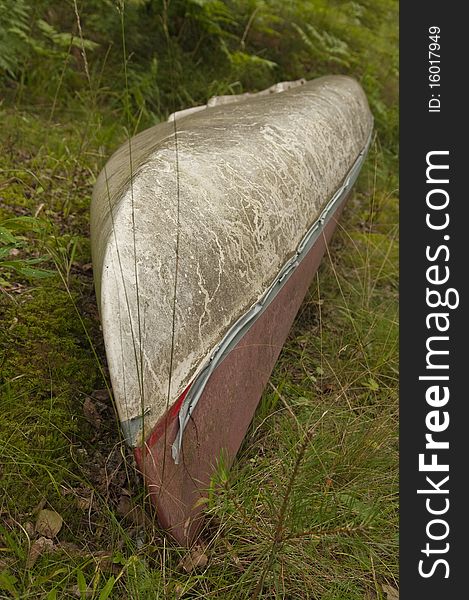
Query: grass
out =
(337, 374)
(309, 510)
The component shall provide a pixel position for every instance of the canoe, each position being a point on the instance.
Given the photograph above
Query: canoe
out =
(206, 232)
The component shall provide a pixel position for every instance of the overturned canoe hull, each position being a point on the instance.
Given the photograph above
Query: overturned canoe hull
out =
(206, 233)
(219, 421)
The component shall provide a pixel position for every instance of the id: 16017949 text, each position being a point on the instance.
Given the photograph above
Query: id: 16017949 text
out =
(434, 60)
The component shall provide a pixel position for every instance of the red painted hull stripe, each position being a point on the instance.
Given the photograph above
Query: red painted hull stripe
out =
(162, 424)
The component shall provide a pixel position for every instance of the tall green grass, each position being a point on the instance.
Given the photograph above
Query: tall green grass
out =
(309, 510)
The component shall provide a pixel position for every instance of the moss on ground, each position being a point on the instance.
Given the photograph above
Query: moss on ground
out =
(47, 365)
(340, 360)
(59, 443)
(46, 372)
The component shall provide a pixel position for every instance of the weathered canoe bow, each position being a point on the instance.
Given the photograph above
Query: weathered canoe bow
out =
(206, 233)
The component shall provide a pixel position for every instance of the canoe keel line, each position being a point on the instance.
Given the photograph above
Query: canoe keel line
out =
(218, 384)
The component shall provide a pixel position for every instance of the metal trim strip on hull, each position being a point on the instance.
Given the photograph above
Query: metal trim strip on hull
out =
(243, 324)
(219, 424)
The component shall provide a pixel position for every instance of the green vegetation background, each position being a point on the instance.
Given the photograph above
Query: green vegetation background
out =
(76, 79)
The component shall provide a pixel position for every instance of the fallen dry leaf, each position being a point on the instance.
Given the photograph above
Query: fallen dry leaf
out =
(391, 593)
(71, 549)
(91, 413)
(83, 503)
(195, 559)
(101, 395)
(29, 528)
(48, 523)
(87, 267)
(132, 512)
(38, 547)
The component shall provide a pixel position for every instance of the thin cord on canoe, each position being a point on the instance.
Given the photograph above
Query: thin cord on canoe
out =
(176, 268)
(178, 233)
(139, 359)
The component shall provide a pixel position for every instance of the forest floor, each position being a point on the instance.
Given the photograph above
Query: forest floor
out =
(60, 446)
(295, 518)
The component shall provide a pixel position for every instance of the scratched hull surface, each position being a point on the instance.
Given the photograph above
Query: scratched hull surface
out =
(249, 180)
(219, 420)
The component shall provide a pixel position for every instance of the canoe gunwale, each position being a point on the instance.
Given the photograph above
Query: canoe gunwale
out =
(229, 341)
